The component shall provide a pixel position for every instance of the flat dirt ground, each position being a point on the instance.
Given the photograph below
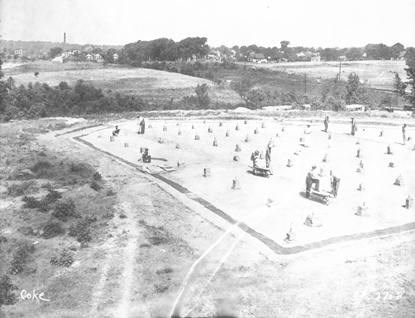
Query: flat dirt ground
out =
(165, 253)
(286, 187)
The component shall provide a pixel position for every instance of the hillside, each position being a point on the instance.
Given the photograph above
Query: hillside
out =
(377, 74)
(149, 84)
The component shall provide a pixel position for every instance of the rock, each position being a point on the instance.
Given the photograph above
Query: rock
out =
(235, 184)
(362, 210)
(206, 172)
(409, 202)
(398, 181)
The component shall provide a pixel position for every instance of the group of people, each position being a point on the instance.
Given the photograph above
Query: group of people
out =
(314, 179)
(353, 127)
(256, 157)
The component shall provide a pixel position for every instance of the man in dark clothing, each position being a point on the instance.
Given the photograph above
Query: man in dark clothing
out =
(326, 123)
(335, 183)
(354, 127)
(142, 126)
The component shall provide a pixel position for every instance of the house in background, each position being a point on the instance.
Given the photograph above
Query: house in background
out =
(18, 52)
(257, 58)
(98, 58)
(315, 58)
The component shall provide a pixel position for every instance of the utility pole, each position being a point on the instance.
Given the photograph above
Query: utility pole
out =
(340, 71)
(305, 83)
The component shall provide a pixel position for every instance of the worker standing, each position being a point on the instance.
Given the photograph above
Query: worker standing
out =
(255, 158)
(268, 155)
(335, 183)
(142, 125)
(404, 133)
(326, 123)
(354, 127)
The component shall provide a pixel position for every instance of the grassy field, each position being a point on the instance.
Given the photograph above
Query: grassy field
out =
(150, 84)
(377, 74)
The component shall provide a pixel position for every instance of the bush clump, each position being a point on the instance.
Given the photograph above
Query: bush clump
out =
(82, 230)
(95, 185)
(21, 188)
(41, 167)
(30, 202)
(52, 229)
(64, 259)
(65, 210)
(7, 296)
(44, 204)
(20, 257)
(97, 176)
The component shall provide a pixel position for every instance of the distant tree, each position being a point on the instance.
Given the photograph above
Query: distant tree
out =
(3, 90)
(378, 51)
(284, 45)
(356, 93)
(399, 85)
(396, 50)
(354, 54)
(243, 86)
(329, 54)
(193, 46)
(203, 99)
(55, 51)
(63, 86)
(410, 71)
(1, 73)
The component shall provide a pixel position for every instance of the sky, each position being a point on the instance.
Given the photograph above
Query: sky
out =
(317, 23)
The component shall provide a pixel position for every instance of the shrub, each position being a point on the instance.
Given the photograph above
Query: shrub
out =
(22, 188)
(41, 167)
(65, 259)
(95, 185)
(97, 176)
(20, 257)
(64, 210)
(7, 296)
(30, 202)
(52, 229)
(43, 204)
(51, 197)
(82, 230)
